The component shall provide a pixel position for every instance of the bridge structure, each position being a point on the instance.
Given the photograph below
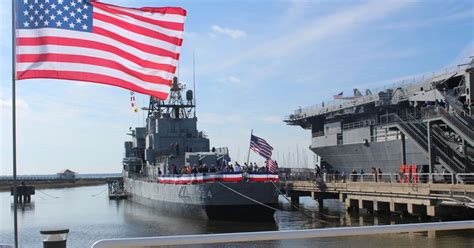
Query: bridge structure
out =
(55, 177)
(413, 194)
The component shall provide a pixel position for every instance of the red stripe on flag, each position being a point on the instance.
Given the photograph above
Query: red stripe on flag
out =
(138, 45)
(138, 29)
(161, 10)
(89, 77)
(80, 59)
(61, 41)
(169, 25)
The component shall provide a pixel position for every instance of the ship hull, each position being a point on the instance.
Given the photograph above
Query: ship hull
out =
(206, 200)
(385, 155)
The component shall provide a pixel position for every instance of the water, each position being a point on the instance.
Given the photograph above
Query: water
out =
(90, 216)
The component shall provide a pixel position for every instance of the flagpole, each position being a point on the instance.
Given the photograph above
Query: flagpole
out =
(15, 192)
(248, 155)
(194, 85)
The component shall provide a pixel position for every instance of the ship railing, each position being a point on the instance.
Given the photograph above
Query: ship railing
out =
(358, 124)
(210, 177)
(382, 137)
(318, 134)
(226, 238)
(390, 118)
(330, 106)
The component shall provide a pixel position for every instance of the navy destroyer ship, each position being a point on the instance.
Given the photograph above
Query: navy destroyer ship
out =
(427, 123)
(170, 166)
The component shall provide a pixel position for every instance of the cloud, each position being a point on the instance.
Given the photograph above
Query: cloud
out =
(230, 80)
(210, 118)
(233, 79)
(297, 10)
(319, 29)
(5, 11)
(232, 33)
(430, 21)
(342, 22)
(272, 119)
(187, 34)
(20, 104)
(464, 55)
(221, 119)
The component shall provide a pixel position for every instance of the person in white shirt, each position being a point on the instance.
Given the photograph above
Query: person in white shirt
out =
(237, 167)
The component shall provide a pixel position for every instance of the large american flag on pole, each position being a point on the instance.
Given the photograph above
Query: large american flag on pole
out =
(261, 146)
(86, 40)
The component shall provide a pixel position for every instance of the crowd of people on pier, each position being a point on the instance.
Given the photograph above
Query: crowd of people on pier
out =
(406, 174)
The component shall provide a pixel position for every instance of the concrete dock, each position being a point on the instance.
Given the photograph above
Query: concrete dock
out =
(387, 193)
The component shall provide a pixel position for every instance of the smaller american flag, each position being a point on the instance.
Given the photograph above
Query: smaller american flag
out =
(272, 165)
(261, 147)
(339, 96)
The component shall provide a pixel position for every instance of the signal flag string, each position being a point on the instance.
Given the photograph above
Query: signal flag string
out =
(132, 102)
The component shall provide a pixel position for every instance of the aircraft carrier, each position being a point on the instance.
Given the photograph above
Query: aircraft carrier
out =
(427, 123)
(159, 156)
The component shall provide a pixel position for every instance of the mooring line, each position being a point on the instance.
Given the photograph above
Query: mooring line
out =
(300, 208)
(94, 195)
(41, 197)
(327, 215)
(52, 196)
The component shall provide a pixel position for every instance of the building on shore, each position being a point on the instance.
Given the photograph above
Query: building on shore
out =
(67, 174)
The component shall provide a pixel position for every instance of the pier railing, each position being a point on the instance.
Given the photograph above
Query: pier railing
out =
(446, 178)
(467, 178)
(416, 178)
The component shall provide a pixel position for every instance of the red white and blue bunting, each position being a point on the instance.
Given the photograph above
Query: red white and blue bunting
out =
(208, 178)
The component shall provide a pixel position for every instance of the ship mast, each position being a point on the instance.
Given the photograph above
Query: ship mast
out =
(175, 106)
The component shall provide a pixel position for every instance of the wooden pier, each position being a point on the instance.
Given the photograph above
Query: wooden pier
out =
(386, 194)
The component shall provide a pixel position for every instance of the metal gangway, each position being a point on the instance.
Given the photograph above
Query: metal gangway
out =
(428, 136)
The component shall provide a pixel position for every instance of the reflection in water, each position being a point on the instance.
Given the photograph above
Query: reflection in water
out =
(23, 206)
(91, 217)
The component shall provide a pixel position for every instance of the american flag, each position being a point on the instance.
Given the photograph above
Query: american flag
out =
(271, 165)
(86, 40)
(261, 147)
(339, 96)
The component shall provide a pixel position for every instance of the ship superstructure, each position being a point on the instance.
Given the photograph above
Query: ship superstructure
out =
(428, 123)
(169, 165)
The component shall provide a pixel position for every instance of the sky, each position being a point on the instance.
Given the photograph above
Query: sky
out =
(256, 62)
